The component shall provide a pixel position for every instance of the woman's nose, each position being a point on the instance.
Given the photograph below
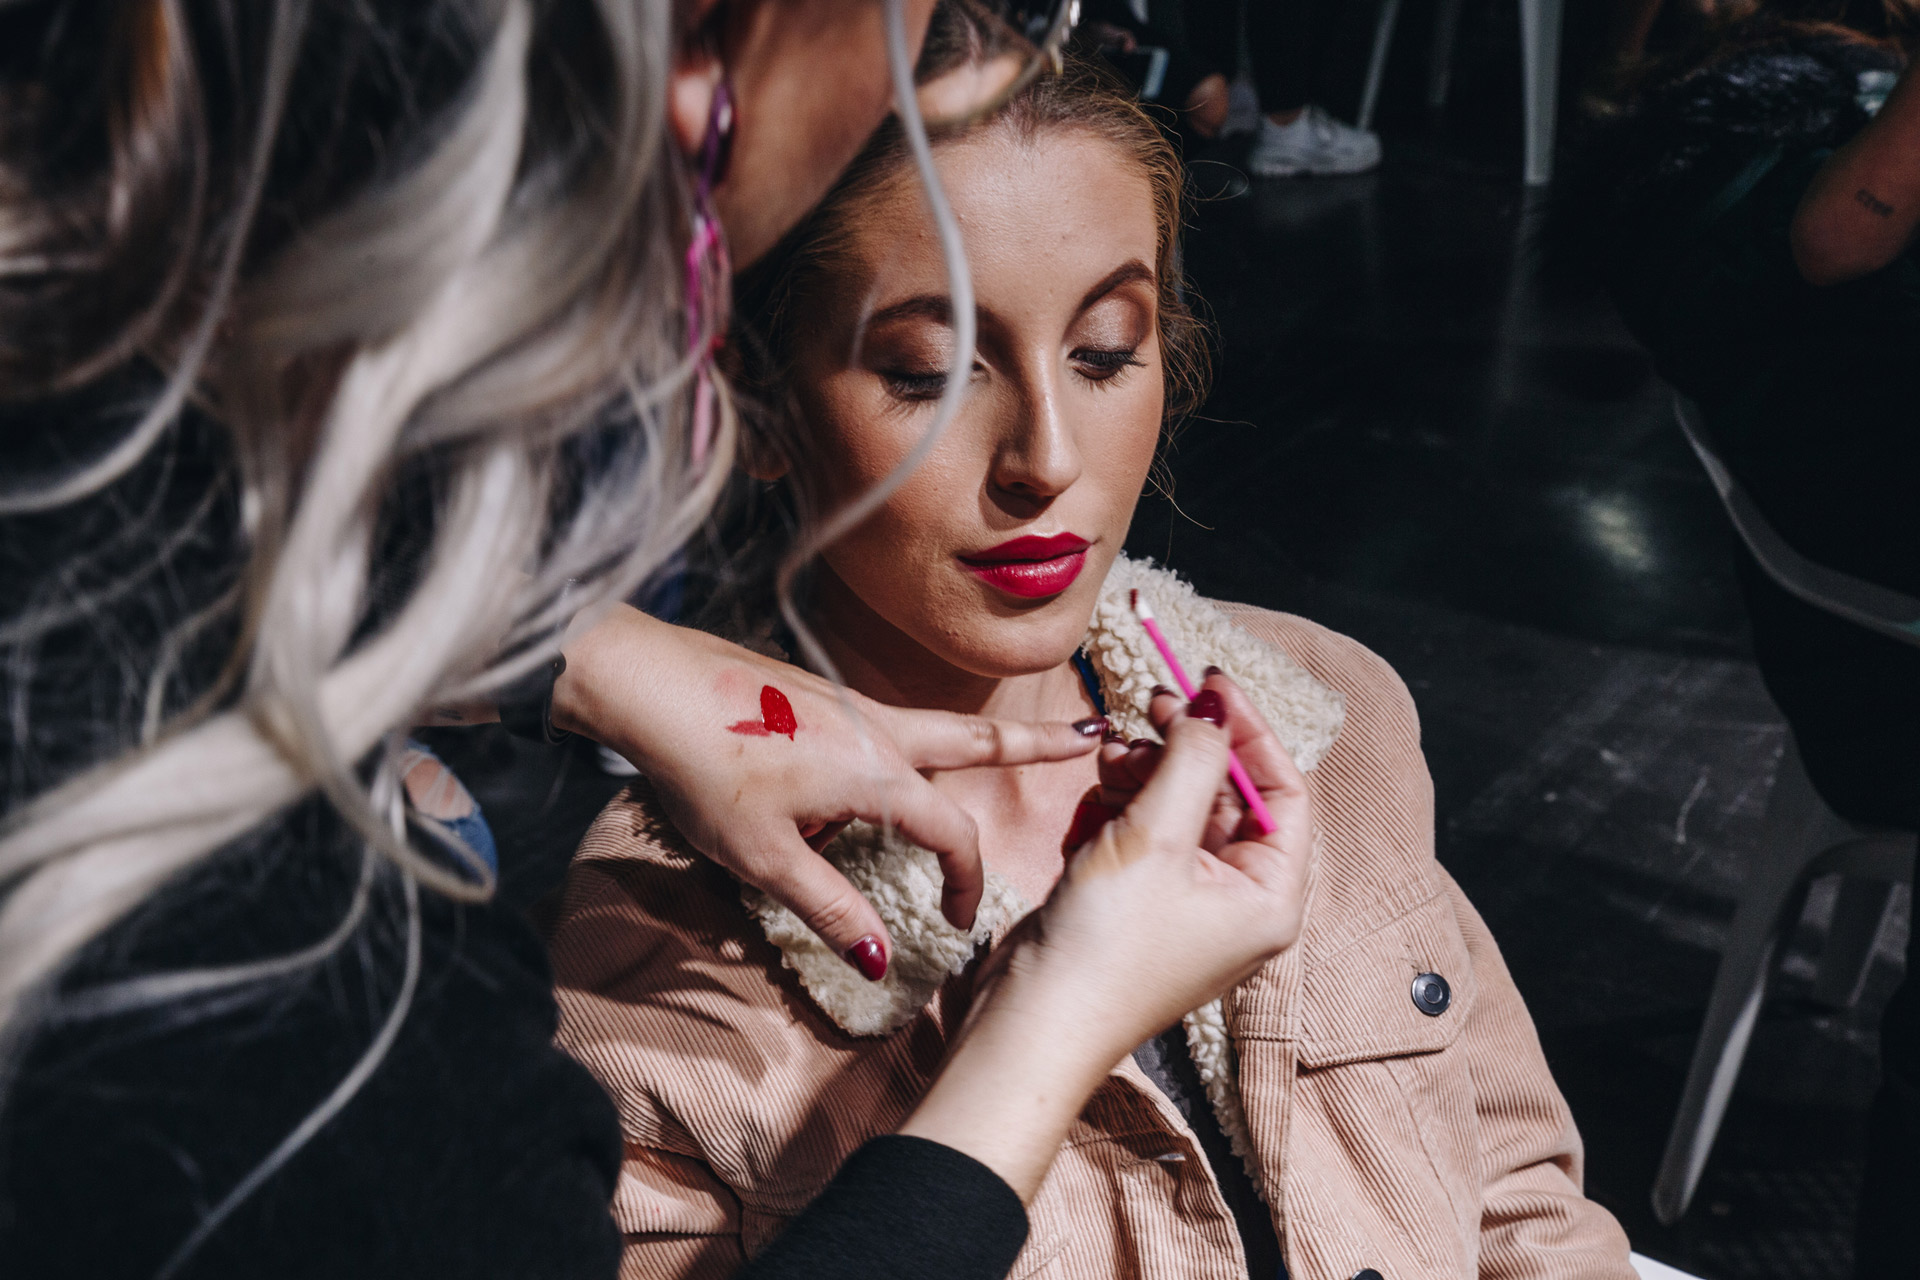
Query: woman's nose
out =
(1038, 456)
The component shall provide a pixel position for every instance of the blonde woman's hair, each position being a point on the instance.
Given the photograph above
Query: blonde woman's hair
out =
(418, 262)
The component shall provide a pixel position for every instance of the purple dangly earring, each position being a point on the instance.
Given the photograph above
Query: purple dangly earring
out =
(707, 270)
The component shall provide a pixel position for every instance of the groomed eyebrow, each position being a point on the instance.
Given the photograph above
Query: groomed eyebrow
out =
(929, 306)
(939, 307)
(1133, 272)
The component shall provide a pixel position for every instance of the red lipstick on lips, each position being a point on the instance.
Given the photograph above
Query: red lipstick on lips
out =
(1031, 567)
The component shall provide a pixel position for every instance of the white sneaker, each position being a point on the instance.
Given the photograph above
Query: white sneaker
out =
(1315, 143)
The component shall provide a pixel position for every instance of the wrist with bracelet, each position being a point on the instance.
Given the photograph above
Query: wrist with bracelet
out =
(526, 705)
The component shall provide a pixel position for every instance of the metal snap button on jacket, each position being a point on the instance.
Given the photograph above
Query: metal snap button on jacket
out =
(1431, 996)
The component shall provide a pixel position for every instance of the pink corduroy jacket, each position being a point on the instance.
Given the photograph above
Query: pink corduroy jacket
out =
(1418, 1138)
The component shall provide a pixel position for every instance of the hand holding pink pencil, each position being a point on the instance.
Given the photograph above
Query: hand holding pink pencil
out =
(1237, 771)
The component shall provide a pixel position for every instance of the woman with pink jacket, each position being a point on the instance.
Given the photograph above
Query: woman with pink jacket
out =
(1372, 1102)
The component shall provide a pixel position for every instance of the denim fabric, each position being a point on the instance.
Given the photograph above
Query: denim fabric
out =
(470, 827)
(473, 829)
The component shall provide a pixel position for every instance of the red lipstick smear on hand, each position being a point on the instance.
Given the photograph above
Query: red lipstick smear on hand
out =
(776, 716)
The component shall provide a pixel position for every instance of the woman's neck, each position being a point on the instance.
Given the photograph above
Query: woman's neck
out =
(1023, 812)
(886, 664)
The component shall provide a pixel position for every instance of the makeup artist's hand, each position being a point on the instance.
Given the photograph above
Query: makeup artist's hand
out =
(1169, 905)
(1125, 769)
(688, 710)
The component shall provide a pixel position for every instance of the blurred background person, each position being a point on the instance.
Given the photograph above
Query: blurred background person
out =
(1756, 218)
(1154, 46)
(1289, 47)
(1184, 53)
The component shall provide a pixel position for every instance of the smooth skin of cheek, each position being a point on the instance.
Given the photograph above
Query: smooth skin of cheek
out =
(1059, 425)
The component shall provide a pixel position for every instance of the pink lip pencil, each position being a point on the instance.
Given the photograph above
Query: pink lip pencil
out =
(1248, 792)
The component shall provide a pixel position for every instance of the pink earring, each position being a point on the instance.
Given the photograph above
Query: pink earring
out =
(707, 271)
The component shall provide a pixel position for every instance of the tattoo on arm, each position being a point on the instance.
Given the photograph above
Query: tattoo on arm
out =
(1872, 203)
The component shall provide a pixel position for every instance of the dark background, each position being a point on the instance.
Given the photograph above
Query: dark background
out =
(1424, 437)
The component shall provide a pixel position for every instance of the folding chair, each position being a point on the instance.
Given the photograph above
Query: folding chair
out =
(1539, 71)
(1802, 841)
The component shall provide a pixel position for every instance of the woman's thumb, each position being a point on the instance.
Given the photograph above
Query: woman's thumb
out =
(1176, 801)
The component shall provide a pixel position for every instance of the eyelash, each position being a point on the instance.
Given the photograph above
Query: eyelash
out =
(1103, 365)
(915, 386)
(1107, 363)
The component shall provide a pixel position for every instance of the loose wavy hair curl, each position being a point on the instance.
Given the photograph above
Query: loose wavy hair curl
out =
(419, 264)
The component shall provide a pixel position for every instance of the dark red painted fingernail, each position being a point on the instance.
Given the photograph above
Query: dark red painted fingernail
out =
(1142, 742)
(867, 956)
(1211, 671)
(1091, 726)
(1112, 735)
(1209, 706)
(1160, 689)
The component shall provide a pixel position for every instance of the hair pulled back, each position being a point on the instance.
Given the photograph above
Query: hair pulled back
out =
(1082, 96)
(778, 294)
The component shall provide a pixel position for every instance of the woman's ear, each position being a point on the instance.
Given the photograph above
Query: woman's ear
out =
(697, 71)
(762, 459)
(690, 88)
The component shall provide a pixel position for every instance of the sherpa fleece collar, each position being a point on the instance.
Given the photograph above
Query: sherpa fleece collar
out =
(902, 880)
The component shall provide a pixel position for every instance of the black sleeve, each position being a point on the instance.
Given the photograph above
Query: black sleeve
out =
(902, 1207)
(476, 1149)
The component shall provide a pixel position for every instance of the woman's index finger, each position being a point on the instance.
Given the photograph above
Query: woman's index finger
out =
(947, 740)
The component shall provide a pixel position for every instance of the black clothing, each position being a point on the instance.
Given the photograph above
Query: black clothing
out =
(1810, 398)
(1886, 1243)
(901, 1207)
(1169, 1064)
(1287, 44)
(1170, 80)
(1298, 51)
(474, 1148)
(477, 1148)
(1808, 393)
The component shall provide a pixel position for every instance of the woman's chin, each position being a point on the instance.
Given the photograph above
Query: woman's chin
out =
(991, 651)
